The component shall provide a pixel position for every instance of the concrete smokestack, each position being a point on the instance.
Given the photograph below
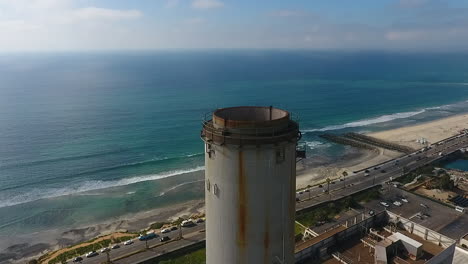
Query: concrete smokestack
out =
(250, 181)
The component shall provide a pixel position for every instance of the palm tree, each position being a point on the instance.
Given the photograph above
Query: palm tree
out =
(178, 222)
(344, 178)
(328, 186)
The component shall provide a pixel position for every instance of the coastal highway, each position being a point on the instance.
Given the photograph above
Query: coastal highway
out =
(379, 174)
(315, 195)
(190, 234)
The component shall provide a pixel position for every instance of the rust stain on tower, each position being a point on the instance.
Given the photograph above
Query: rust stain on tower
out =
(250, 185)
(242, 203)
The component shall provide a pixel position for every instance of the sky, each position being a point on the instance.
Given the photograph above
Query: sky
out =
(63, 25)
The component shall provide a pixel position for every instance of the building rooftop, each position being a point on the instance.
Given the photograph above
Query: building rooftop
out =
(465, 236)
(399, 236)
(361, 251)
(319, 238)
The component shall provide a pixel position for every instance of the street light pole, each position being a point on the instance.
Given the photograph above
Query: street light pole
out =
(344, 179)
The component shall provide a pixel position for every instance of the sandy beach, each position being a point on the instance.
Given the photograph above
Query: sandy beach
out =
(21, 247)
(432, 131)
(315, 169)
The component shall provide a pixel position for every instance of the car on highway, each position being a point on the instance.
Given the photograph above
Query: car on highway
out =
(174, 228)
(382, 171)
(376, 168)
(91, 254)
(187, 223)
(78, 259)
(404, 200)
(320, 186)
(366, 175)
(366, 171)
(104, 250)
(397, 203)
(128, 242)
(147, 236)
(165, 238)
(425, 206)
(165, 230)
(384, 204)
(116, 246)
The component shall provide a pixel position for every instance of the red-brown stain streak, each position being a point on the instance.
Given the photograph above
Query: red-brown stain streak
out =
(242, 204)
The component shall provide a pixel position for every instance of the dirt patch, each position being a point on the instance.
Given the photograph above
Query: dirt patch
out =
(438, 194)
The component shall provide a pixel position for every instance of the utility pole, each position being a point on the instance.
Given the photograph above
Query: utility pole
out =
(344, 179)
(308, 188)
(108, 256)
(328, 187)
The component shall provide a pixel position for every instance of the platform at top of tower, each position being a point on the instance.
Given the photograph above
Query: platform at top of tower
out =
(246, 125)
(250, 116)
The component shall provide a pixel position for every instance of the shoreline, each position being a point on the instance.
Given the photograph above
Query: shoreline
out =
(432, 131)
(55, 239)
(310, 171)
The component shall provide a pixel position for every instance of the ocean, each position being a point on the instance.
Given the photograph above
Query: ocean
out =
(90, 137)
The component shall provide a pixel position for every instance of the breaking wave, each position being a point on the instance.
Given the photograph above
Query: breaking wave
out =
(366, 122)
(315, 144)
(177, 186)
(37, 194)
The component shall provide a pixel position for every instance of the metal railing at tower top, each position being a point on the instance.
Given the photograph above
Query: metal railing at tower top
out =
(207, 116)
(254, 135)
(250, 136)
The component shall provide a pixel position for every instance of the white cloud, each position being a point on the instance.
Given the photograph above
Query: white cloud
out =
(103, 13)
(207, 4)
(15, 26)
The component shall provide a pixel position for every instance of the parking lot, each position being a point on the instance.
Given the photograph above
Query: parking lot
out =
(425, 212)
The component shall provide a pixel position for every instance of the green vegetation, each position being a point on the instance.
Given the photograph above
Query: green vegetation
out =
(195, 257)
(445, 183)
(321, 214)
(85, 249)
(298, 229)
(157, 225)
(367, 196)
(329, 211)
(425, 171)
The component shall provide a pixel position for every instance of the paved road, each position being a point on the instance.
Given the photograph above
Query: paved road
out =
(189, 234)
(378, 175)
(315, 195)
(189, 239)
